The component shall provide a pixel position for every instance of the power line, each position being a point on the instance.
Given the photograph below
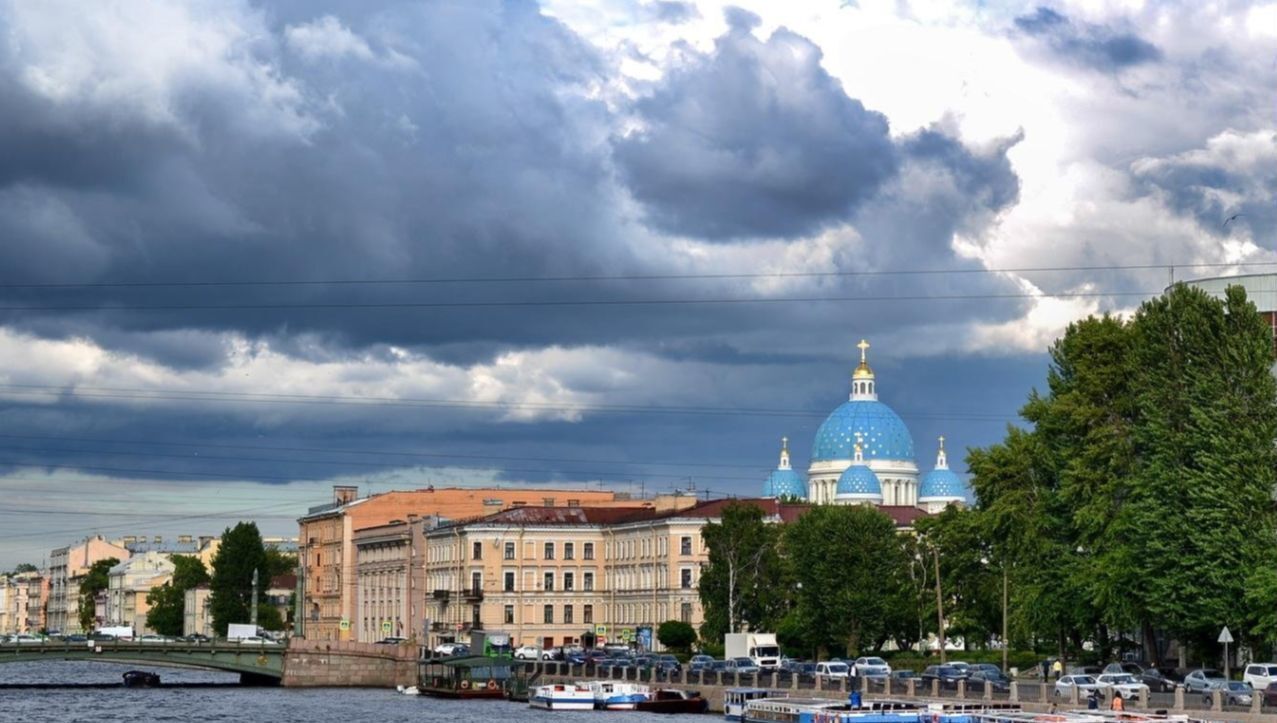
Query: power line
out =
(575, 302)
(200, 516)
(626, 277)
(133, 393)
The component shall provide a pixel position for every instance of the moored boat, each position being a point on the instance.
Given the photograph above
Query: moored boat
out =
(618, 695)
(670, 700)
(141, 679)
(735, 700)
(562, 696)
(474, 676)
(823, 710)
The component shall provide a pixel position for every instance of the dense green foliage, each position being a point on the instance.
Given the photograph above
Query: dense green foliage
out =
(1142, 497)
(95, 581)
(168, 601)
(240, 553)
(741, 586)
(676, 635)
(25, 567)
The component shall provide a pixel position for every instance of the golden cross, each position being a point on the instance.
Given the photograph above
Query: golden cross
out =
(862, 346)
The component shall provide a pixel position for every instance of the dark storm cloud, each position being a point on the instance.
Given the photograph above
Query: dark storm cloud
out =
(1094, 46)
(753, 139)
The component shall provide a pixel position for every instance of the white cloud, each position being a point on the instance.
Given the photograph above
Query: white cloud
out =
(326, 38)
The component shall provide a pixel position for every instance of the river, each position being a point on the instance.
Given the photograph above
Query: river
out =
(233, 703)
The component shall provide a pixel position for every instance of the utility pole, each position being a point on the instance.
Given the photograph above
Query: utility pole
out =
(253, 615)
(299, 599)
(1006, 644)
(935, 555)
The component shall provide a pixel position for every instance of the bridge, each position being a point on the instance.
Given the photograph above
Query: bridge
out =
(256, 664)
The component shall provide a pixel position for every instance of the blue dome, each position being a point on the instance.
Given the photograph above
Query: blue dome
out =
(858, 480)
(942, 483)
(883, 431)
(785, 483)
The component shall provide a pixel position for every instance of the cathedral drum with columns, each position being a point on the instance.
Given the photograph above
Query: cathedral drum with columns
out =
(863, 454)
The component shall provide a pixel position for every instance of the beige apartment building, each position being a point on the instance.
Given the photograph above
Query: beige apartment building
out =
(23, 603)
(68, 567)
(548, 575)
(128, 584)
(328, 554)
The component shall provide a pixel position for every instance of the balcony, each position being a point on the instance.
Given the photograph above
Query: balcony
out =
(474, 594)
(442, 595)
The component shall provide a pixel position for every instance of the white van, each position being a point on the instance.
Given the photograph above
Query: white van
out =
(1259, 675)
(833, 670)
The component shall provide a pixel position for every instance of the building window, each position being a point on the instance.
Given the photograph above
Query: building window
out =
(548, 501)
(548, 615)
(476, 582)
(549, 550)
(587, 614)
(509, 581)
(685, 546)
(549, 581)
(569, 582)
(685, 612)
(685, 578)
(567, 614)
(509, 614)
(509, 550)
(476, 551)
(569, 551)
(518, 503)
(475, 619)
(574, 503)
(587, 582)
(587, 551)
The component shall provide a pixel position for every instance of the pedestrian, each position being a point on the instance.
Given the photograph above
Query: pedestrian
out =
(1046, 669)
(1093, 700)
(1058, 668)
(1117, 705)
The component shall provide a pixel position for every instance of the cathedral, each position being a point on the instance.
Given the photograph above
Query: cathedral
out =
(863, 454)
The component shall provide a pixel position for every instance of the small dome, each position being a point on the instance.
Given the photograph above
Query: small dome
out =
(785, 483)
(858, 482)
(941, 484)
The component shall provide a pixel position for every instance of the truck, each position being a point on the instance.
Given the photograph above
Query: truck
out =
(239, 631)
(491, 643)
(118, 632)
(758, 647)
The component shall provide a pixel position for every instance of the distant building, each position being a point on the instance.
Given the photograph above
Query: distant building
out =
(550, 576)
(328, 554)
(68, 567)
(196, 618)
(128, 585)
(23, 603)
(1261, 289)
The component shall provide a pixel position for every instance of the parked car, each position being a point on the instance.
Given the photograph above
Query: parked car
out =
(903, 674)
(1124, 684)
(392, 640)
(1084, 684)
(986, 667)
(833, 669)
(699, 663)
(667, 664)
(716, 666)
(1091, 670)
(576, 657)
(26, 639)
(75, 638)
(527, 652)
(451, 649)
(1161, 680)
(1201, 680)
(1269, 694)
(870, 667)
(254, 640)
(744, 666)
(993, 679)
(152, 638)
(1260, 675)
(1233, 692)
(964, 668)
(1129, 668)
(555, 653)
(946, 674)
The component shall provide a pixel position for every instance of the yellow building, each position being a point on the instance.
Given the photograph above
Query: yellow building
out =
(549, 575)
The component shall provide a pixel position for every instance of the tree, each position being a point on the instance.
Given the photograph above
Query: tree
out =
(741, 585)
(25, 567)
(676, 635)
(167, 615)
(95, 581)
(240, 553)
(848, 564)
(278, 563)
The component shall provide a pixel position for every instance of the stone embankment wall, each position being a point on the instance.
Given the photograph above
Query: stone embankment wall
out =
(324, 663)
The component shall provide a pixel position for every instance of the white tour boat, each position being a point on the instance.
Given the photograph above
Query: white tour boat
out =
(618, 695)
(562, 696)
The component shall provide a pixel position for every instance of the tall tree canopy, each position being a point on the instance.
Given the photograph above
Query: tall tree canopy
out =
(742, 584)
(231, 586)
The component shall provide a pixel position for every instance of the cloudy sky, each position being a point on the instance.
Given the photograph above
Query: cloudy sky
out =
(248, 249)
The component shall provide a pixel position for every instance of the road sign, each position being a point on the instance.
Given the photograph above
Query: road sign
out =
(344, 625)
(1225, 636)
(385, 626)
(600, 630)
